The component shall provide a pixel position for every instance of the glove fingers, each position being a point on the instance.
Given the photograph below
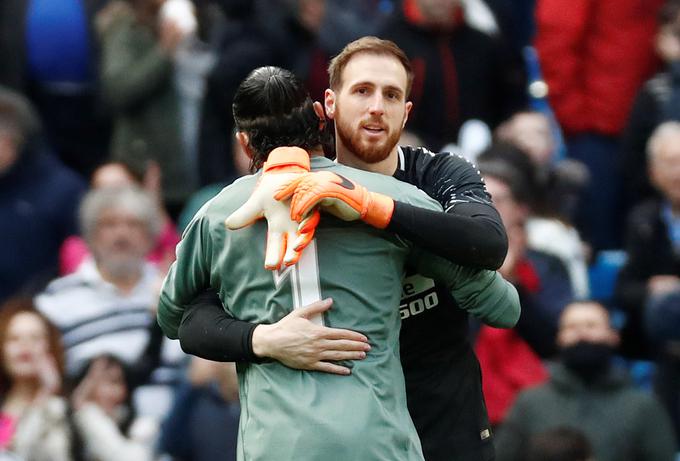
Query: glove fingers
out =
(276, 248)
(286, 190)
(309, 223)
(304, 200)
(306, 231)
(247, 214)
(291, 256)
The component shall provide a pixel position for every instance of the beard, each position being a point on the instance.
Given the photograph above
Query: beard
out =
(369, 152)
(119, 264)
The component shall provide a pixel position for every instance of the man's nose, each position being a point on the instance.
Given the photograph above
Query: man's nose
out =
(377, 104)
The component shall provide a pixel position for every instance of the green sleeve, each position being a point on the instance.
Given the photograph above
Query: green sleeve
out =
(188, 276)
(128, 76)
(483, 293)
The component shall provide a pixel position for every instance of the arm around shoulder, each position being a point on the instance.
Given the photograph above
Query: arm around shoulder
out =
(489, 297)
(483, 293)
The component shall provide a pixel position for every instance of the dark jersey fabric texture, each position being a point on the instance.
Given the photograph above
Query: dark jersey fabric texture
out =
(443, 377)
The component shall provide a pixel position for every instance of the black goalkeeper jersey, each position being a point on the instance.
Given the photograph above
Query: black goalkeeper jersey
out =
(443, 377)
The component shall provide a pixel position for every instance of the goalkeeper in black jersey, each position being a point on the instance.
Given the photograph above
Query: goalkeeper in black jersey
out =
(443, 379)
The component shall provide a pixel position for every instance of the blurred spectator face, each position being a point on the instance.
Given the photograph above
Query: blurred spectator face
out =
(530, 131)
(668, 41)
(665, 168)
(111, 391)
(111, 175)
(585, 322)
(8, 151)
(26, 345)
(311, 14)
(120, 241)
(438, 12)
(512, 212)
(370, 108)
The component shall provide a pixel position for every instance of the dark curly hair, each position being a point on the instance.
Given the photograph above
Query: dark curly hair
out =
(274, 109)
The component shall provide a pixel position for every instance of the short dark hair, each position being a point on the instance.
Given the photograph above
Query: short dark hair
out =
(371, 45)
(274, 109)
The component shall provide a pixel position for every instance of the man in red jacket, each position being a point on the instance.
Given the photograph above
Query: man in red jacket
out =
(594, 55)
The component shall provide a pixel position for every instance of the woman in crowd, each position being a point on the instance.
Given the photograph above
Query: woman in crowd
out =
(37, 423)
(33, 415)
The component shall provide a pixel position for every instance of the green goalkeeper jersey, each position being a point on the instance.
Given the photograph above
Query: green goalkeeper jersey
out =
(296, 415)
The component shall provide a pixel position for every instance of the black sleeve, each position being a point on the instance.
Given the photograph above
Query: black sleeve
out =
(471, 232)
(207, 331)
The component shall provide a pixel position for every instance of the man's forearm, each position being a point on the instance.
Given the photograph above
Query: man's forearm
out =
(470, 234)
(207, 331)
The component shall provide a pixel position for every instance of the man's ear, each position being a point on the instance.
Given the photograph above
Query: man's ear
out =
(318, 110)
(244, 142)
(407, 111)
(329, 103)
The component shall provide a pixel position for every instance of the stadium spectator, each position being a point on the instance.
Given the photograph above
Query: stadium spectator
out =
(39, 199)
(648, 287)
(657, 101)
(555, 192)
(49, 53)
(541, 279)
(451, 83)
(106, 426)
(138, 86)
(511, 360)
(107, 305)
(74, 250)
(203, 422)
(588, 392)
(242, 44)
(594, 56)
(33, 416)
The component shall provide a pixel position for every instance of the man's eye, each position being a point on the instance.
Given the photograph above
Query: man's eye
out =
(362, 90)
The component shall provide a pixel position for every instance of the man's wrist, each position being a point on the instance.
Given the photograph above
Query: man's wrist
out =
(259, 341)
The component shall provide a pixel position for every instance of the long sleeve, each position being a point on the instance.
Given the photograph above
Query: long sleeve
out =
(485, 294)
(207, 331)
(104, 440)
(188, 276)
(471, 232)
(42, 433)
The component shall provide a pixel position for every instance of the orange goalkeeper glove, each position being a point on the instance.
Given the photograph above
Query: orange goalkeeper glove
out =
(337, 195)
(286, 238)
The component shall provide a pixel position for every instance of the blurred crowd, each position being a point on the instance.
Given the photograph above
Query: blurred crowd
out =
(116, 126)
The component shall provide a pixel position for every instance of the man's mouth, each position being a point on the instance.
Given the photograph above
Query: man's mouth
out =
(375, 129)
